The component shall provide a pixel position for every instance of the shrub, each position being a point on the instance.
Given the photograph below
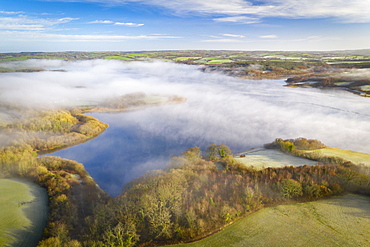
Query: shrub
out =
(290, 188)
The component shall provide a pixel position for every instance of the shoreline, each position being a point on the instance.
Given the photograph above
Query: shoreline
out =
(175, 100)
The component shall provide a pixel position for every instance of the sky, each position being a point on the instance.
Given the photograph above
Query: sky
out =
(143, 25)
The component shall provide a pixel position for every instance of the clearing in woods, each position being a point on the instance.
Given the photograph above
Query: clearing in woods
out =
(261, 158)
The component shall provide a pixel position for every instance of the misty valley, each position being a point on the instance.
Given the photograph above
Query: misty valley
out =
(152, 153)
(144, 140)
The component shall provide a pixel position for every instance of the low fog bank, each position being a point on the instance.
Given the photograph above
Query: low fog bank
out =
(229, 106)
(42, 64)
(242, 114)
(219, 109)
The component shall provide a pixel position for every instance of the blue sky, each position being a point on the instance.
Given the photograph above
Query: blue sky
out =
(137, 25)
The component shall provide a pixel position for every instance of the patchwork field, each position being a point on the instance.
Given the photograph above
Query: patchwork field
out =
(365, 88)
(341, 221)
(353, 156)
(23, 213)
(262, 158)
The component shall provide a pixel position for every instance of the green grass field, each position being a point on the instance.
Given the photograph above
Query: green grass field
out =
(119, 58)
(340, 221)
(220, 61)
(355, 157)
(14, 59)
(365, 88)
(185, 58)
(262, 158)
(23, 213)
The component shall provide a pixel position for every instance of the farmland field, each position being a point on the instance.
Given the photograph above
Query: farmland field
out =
(220, 61)
(119, 58)
(185, 58)
(365, 88)
(340, 221)
(23, 213)
(262, 158)
(353, 156)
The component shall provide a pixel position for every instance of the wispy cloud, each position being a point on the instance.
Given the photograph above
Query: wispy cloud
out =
(271, 36)
(222, 40)
(101, 22)
(128, 24)
(11, 12)
(9, 23)
(225, 38)
(41, 36)
(30, 24)
(355, 11)
(230, 38)
(238, 19)
(233, 35)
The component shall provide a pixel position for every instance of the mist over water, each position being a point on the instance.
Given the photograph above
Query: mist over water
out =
(219, 109)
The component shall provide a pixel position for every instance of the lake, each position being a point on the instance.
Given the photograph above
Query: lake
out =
(219, 109)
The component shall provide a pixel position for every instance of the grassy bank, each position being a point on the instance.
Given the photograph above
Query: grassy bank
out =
(340, 221)
(23, 213)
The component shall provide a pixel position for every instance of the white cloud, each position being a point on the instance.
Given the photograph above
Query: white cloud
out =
(354, 11)
(40, 36)
(233, 35)
(222, 40)
(128, 24)
(231, 38)
(9, 23)
(101, 22)
(62, 20)
(238, 19)
(11, 12)
(271, 36)
(30, 24)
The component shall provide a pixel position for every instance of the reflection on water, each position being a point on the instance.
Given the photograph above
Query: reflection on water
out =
(235, 112)
(125, 150)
